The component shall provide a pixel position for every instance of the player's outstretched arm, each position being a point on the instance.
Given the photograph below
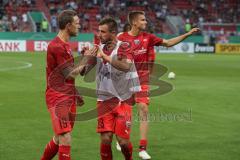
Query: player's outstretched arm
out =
(176, 40)
(120, 64)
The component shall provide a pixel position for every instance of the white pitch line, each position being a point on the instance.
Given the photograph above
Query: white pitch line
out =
(191, 55)
(26, 65)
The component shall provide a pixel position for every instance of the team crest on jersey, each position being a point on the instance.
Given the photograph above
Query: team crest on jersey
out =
(128, 124)
(136, 41)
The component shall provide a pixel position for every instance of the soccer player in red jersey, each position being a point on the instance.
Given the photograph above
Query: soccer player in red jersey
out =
(116, 81)
(61, 94)
(142, 44)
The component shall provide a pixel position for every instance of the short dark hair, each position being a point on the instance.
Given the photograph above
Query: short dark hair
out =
(111, 23)
(65, 17)
(126, 27)
(133, 15)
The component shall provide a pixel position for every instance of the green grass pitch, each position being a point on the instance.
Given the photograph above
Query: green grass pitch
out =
(206, 94)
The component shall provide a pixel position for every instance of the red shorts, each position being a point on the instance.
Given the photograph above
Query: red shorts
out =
(143, 95)
(63, 116)
(114, 117)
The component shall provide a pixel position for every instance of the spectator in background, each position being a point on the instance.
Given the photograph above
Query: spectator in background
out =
(14, 23)
(86, 16)
(71, 5)
(24, 18)
(5, 24)
(188, 26)
(14, 18)
(54, 23)
(85, 26)
(98, 16)
(222, 39)
(212, 39)
(44, 25)
(216, 11)
(1, 25)
(180, 29)
(14, 15)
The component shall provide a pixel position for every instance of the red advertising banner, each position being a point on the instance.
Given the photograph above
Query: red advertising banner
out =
(41, 46)
(35, 46)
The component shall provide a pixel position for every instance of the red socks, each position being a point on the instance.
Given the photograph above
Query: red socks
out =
(50, 151)
(127, 151)
(142, 144)
(106, 151)
(64, 153)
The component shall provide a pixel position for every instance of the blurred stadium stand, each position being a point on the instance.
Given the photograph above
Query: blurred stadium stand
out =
(165, 16)
(13, 15)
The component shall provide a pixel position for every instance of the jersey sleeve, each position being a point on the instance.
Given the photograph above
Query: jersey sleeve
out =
(125, 51)
(154, 40)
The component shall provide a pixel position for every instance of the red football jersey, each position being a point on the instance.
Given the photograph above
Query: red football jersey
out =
(143, 51)
(59, 58)
(123, 51)
(141, 44)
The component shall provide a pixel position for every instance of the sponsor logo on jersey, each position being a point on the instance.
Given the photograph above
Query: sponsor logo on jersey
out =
(140, 51)
(66, 155)
(136, 41)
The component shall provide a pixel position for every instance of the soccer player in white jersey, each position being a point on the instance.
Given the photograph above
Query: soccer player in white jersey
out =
(117, 81)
